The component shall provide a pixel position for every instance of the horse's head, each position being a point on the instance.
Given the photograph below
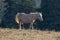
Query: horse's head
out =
(40, 17)
(37, 15)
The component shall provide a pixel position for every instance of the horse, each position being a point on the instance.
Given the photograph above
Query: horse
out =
(28, 18)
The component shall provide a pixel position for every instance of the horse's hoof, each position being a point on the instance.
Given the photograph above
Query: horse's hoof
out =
(20, 30)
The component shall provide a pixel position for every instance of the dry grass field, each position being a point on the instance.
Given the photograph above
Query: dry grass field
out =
(16, 34)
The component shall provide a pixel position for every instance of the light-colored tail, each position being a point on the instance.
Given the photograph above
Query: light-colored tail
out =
(17, 19)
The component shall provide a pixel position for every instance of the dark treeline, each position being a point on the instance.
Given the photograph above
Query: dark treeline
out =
(49, 8)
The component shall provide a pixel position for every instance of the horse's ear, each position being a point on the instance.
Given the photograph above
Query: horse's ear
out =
(18, 13)
(40, 14)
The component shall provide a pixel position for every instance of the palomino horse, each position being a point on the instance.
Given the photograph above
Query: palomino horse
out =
(28, 18)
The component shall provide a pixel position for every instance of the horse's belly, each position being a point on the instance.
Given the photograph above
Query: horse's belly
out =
(27, 21)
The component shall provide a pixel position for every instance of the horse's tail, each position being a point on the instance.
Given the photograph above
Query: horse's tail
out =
(17, 18)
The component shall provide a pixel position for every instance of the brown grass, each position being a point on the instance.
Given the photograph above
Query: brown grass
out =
(15, 34)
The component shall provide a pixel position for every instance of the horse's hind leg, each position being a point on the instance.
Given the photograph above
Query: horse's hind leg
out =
(20, 25)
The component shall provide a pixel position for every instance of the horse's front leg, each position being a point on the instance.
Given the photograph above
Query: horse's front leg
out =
(31, 26)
